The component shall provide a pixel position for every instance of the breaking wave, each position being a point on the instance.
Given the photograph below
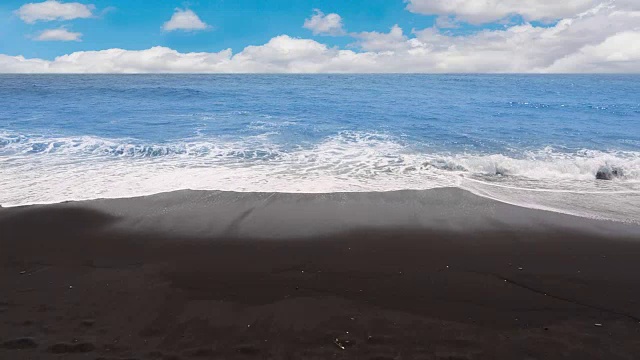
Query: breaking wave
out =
(358, 152)
(85, 167)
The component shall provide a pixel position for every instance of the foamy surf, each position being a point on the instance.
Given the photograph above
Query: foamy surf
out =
(41, 169)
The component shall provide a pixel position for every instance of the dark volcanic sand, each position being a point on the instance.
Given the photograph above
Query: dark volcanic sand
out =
(75, 283)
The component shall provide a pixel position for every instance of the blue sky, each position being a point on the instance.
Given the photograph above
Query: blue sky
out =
(346, 36)
(235, 24)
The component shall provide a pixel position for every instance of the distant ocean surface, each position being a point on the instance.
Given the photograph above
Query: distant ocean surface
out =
(535, 141)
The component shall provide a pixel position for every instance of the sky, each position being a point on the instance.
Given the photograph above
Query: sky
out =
(320, 36)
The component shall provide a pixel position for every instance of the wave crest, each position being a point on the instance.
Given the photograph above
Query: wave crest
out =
(347, 153)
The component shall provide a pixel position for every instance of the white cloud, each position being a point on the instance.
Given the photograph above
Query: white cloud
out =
(605, 39)
(51, 10)
(157, 59)
(447, 22)
(321, 24)
(618, 53)
(184, 20)
(484, 11)
(60, 34)
(375, 41)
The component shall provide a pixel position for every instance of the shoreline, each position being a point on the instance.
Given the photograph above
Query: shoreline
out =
(579, 208)
(445, 208)
(437, 274)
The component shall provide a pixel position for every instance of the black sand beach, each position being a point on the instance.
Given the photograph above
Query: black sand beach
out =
(439, 274)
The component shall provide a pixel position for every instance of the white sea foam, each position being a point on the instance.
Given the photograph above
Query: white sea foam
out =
(38, 169)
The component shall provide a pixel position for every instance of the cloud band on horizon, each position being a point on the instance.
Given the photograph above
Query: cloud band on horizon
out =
(604, 38)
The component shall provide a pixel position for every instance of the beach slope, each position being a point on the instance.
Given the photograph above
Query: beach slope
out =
(437, 274)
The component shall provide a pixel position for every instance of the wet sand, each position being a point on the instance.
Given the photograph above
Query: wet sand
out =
(439, 274)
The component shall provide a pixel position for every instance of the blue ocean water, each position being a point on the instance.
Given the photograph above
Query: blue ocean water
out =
(531, 140)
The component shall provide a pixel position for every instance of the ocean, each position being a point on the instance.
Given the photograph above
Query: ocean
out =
(537, 141)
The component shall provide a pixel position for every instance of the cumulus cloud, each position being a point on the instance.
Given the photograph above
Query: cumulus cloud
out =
(60, 34)
(485, 11)
(375, 41)
(156, 59)
(618, 53)
(321, 24)
(51, 10)
(447, 22)
(184, 19)
(604, 39)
